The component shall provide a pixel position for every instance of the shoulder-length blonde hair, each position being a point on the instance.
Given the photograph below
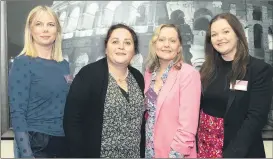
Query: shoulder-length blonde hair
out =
(29, 48)
(152, 61)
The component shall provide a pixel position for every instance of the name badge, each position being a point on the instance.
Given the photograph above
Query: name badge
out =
(240, 85)
(68, 78)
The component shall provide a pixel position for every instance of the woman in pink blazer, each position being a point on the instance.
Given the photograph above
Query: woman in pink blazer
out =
(172, 98)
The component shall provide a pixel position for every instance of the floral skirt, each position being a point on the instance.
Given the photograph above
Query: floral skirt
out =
(210, 136)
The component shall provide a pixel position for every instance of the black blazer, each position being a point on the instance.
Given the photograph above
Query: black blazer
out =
(247, 113)
(83, 114)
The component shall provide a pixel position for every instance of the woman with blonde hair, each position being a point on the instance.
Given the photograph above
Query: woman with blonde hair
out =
(38, 84)
(172, 97)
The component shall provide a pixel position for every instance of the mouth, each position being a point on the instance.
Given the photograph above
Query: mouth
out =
(167, 51)
(221, 44)
(45, 37)
(120, 53)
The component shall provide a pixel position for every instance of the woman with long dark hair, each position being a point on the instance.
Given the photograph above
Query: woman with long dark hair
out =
(236, 95)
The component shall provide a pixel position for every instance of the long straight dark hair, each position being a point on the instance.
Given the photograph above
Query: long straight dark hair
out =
(212, 57)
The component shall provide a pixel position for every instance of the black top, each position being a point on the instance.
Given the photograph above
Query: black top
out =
(215, 97)
(83, 114)
(124, 93)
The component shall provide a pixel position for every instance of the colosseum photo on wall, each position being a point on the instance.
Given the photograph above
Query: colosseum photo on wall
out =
(85, 24)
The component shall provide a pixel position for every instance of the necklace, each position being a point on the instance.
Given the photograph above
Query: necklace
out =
(120, 79)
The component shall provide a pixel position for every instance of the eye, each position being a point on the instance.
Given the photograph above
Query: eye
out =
(226, 31)
(128, 43)
(213, 35)
(115, 42)
(51, 24)
(38, 24)
(160, 39)
(173, 41)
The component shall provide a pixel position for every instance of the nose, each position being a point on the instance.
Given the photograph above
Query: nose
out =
(220, 37)
(121, 46)
(166, 43)
(45, 28)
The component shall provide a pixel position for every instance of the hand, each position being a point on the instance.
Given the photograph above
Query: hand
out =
(174, 154)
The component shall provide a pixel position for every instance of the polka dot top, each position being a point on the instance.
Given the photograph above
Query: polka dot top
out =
(37, 92)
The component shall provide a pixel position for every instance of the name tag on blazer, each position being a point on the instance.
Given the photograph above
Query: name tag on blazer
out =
(240, 85)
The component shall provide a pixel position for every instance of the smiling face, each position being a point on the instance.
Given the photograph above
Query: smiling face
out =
(43, 29)
(120, 47)
(167, 45)
(223, 38)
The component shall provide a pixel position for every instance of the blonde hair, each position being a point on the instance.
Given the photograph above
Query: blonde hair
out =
(29, 48)
(152, 61)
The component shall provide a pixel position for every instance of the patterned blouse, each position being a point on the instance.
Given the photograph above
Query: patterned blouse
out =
(150, 105)
(122, 120)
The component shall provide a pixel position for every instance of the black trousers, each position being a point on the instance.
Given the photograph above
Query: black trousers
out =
(47, 146)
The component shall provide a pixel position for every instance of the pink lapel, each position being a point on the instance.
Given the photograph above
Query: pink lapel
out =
(172, 76)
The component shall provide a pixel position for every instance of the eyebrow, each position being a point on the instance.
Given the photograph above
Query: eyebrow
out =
(118, 39)
(222, 29)
(175, 38)
(42, 22)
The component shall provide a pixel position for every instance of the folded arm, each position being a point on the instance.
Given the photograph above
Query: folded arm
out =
(190, 92)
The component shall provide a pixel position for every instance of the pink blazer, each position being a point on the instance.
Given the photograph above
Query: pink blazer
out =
(177, 112)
